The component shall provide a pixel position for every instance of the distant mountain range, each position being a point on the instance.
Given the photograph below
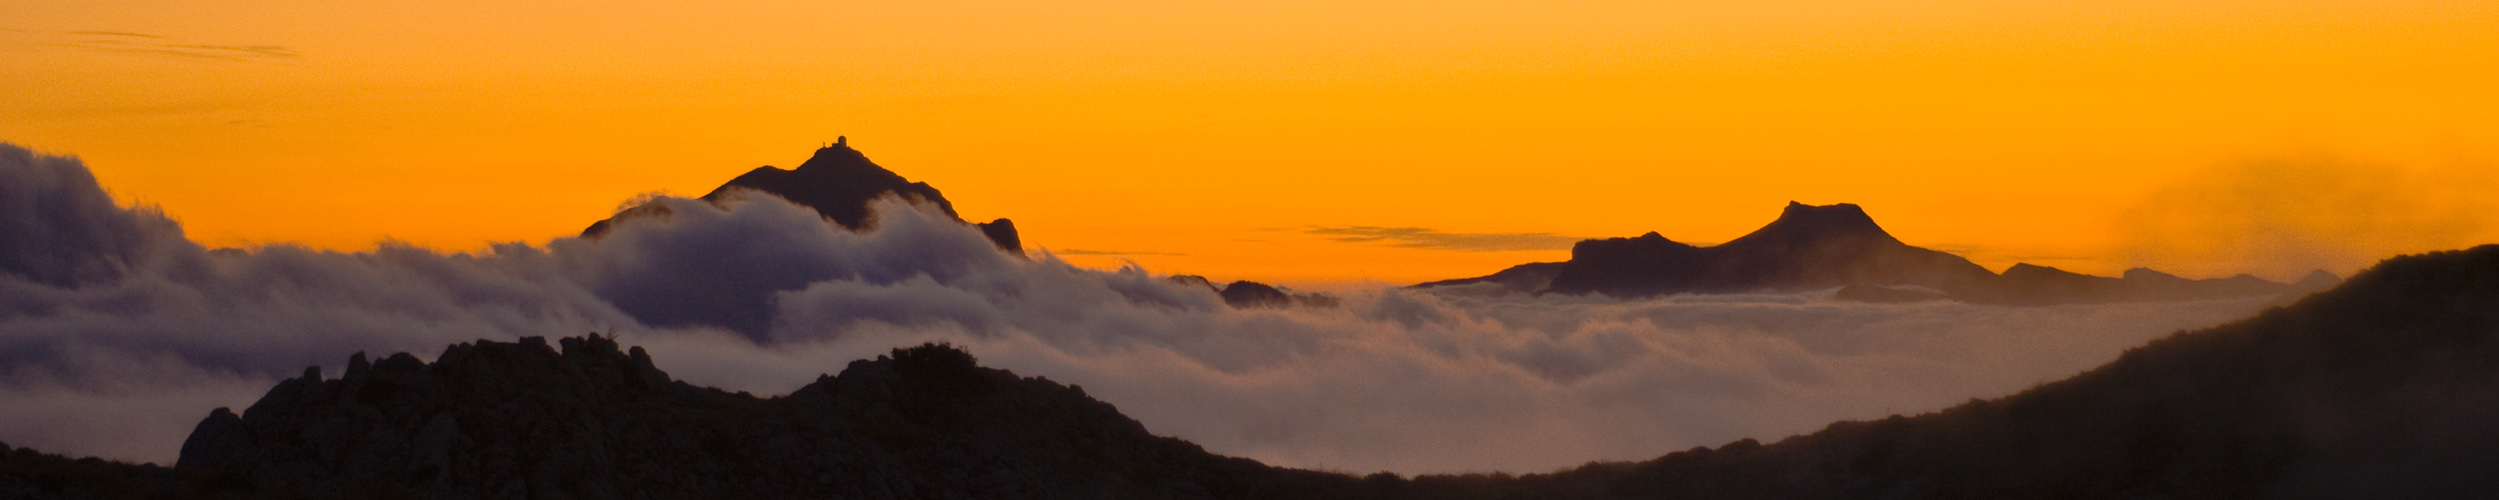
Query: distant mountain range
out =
(2383, 387)
(1840, 247)
(837, 182)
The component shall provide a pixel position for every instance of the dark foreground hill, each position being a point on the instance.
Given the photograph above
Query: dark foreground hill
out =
(1838, 246)
(2385, 387)
(838, 182)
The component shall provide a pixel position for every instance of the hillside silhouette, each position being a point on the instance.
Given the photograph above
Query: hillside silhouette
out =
(1246, 294)
(590, 421)
(2382, 387)
(1839, 246)
(837, 182)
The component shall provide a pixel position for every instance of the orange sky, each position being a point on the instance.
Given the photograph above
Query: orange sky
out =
(2206, 137)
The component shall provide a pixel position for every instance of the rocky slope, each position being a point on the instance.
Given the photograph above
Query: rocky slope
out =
(513, 420)
(1839, 246)
(838, 182)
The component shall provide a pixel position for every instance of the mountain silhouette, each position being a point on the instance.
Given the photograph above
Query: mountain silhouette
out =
(1839, 246)
(1246, 294)
(495, 419)
(837, 182)
(2383, 387)
(1531, 277)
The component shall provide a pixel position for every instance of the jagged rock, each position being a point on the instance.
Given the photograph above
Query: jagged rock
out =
(513, 420)
(1247, 294)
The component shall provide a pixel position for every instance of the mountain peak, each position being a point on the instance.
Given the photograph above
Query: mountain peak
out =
(1800, 223)
(838, 155)
(1836, 213)
(838, 182)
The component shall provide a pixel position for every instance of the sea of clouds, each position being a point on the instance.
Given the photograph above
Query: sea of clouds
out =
(117, 334)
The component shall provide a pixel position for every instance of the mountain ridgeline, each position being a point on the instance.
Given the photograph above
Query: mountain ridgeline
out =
(2383, 387)
(837, 182)
(590, 421)
(1839, 246)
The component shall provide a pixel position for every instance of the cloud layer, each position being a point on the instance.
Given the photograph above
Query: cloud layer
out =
(116, 334)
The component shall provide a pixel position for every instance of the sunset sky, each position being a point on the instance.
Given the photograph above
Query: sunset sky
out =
(1308, 142)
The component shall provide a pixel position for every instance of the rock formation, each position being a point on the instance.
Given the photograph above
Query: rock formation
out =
(837, 182)
(1245, 294)
(1840, 247)
(524, 420)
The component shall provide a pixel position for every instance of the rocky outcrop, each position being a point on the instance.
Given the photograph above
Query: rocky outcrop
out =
(1840, 247)
(1245, 294)
(526, 420)
(837, 182)
(1808, 247)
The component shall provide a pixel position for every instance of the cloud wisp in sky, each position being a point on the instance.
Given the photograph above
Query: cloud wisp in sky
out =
(1113, 253)
(1429, 239)
(117, 334)
(156, 45)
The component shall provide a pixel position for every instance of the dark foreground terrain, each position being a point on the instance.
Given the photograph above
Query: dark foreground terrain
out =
(2384, 387)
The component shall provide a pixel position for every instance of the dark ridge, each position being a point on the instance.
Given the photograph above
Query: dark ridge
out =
(1840, 247)
(1195, 281)
(1247, 294)
(26, 473)
(498, 420)
(2383, 387)
(1888, 294)
(837, 182)
(1807, 247)
(1800, 226)
(1523, 278)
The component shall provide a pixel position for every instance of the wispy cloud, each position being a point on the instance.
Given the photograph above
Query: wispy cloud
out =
(1429, 239)
(1073, 251)
(111, 33)
(158, 45)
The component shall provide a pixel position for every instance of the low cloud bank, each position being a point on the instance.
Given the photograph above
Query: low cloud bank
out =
(117, 334)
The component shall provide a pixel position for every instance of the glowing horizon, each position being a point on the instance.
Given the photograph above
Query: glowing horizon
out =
(2205, 138)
